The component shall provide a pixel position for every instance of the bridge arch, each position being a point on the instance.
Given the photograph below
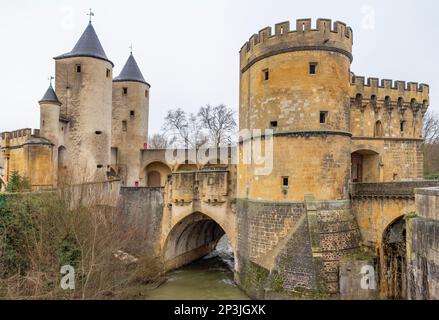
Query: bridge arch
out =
(191, 238)
(394, 260)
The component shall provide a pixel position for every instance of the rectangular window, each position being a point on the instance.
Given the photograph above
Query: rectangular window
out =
(313, 68)
(124, 126)
(78, 68)
(285, 182)
(108, 73)
(125, 91)
(273, 124)
(323, 117)
(132, 113)
(266, 74)
(146, 94)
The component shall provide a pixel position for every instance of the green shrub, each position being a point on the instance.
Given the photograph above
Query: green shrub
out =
(434, 176)
(17, 183)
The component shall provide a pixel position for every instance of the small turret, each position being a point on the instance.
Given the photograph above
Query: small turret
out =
(49, 116)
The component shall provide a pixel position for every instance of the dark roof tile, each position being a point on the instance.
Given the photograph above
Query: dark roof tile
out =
(131, 72)
(87, 46)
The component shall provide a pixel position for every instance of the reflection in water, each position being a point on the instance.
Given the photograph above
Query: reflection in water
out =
(208, 279)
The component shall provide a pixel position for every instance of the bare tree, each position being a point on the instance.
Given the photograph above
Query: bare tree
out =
(431, 128)
(185, 129)
(431, 146)
(219, 122)
(159, 141)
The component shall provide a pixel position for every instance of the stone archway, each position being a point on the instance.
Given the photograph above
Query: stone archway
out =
(187, 167)
(394, 261)
(156, 174)
(365, 166)
(193, 238)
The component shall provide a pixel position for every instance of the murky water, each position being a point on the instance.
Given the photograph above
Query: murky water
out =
(208, 279)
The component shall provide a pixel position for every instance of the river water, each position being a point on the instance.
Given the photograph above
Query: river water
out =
(210, 278)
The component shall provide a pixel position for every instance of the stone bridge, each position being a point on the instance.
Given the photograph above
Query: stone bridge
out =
(279, 248)
(184, 220)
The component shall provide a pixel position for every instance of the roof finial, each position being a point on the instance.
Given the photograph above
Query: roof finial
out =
(91, 14)
(131, 49)
(50, 79)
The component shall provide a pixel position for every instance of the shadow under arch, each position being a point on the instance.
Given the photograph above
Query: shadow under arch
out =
(394, 260)
(191, 239)
(156, 174)
(187, 167)
(365, 165)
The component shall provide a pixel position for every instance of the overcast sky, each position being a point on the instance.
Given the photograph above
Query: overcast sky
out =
(188, 49)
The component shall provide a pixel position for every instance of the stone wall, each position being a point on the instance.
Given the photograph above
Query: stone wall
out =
(143, 212)
(423, 247)
(397, 159)
(313, 162)
(32, 157)
(293, 249)
(378, 205)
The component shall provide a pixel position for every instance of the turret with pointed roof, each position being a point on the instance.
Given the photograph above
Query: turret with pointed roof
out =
(50, 97)
(131, 72)
(49, 116)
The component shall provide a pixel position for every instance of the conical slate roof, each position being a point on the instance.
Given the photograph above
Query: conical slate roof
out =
(131, 72)
(50, 96)
(87, 46)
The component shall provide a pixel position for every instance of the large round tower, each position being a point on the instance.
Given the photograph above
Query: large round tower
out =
(130, 121)
(296, 82)
(293, 207)
(84, 87)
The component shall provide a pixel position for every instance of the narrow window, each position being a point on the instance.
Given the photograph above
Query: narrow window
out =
(100, 166)
(78, 68)
(266, 74)
(285, 182)
(124, 126)
(378, 129)
(146, 94)
(323, 117)
(108, 73)
(98, 133)
(273, 124)
(132, 113)
(44, 123)
(312, 68)
(125, 91)
(402, 126)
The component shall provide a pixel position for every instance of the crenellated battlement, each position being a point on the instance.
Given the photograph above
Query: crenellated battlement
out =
(326, 36)
(392, 93)
(17, 137)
